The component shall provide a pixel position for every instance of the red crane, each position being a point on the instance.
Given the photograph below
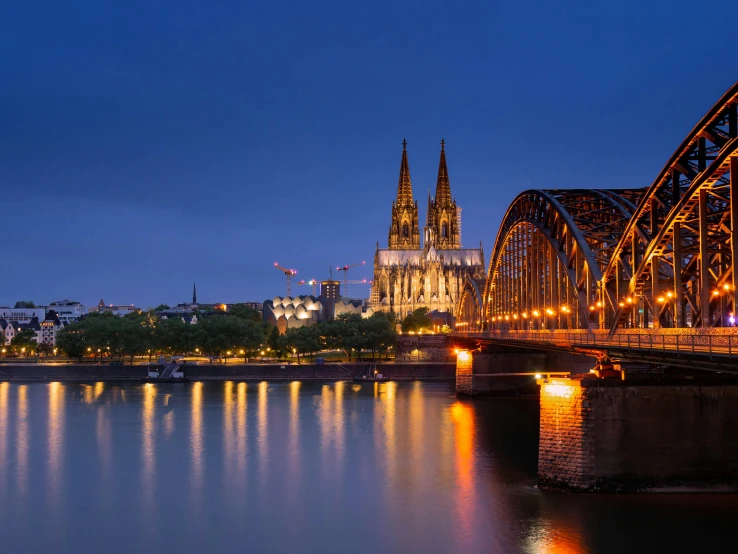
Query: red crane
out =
(345, 269)
(312, 282)
(287, 273)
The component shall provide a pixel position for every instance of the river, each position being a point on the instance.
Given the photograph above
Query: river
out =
(226, 467)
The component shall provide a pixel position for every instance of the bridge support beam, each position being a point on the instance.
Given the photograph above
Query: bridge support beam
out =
(497, 371)
(603, 436)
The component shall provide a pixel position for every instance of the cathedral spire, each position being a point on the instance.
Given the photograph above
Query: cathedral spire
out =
(443, 188)
(194, 293)
(404, 185)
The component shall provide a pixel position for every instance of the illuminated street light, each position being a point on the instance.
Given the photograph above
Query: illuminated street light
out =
(660, 300)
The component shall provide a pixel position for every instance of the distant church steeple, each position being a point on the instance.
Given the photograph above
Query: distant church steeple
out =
(404, 231)
(194, 293)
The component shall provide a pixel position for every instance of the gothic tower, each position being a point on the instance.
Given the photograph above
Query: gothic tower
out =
(404, 232)
(443, 216)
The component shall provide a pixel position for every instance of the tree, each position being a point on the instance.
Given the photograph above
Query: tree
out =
(378, 333)
(71, 340)
(343, 332)
(304, 340)
(245, 312)
(44, 348)
(24, 341)
(275, 343)
(22, 304)
(416, 321)
(221, 333)
(161, 308)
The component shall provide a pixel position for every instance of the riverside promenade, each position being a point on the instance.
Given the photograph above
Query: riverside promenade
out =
(401, 371)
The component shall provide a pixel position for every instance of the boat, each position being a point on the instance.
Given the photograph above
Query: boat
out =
(371, 375)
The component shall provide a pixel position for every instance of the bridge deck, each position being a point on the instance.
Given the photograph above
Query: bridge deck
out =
(716, 352)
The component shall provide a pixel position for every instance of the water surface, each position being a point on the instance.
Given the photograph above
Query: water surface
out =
(306, 467)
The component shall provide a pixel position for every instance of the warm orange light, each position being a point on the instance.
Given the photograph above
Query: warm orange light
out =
(525, 315)
(660, 300)
(591, 308)
(670, 294)
(456, 350)
(463, 355)
(726, 287)
(621, 304)
(507, 318)
(715, 293)
(515, 316)
(599, 304)
(536, 313)
(549, 311)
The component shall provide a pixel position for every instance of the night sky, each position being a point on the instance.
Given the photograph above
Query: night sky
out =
(145, 145)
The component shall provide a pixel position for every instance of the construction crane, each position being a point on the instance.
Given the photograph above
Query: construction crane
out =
(287, 273)
(345, 269)
(312, 282)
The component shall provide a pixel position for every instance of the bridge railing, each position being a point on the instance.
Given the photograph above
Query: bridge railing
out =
(718, 342)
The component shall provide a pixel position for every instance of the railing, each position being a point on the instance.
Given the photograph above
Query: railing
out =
(723, 345)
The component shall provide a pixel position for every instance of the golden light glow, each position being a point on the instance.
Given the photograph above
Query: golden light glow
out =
(715, 293)
(558, 390)
(463, 355)
(525, 315)
(670, 294)
(621, 304)
(591, 308)
(549, 311)
(629, 300)
(660, 300)
(599, 304)
(536, 313)
(507, 318)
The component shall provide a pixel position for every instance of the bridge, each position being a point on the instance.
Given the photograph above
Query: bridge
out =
(644, 273)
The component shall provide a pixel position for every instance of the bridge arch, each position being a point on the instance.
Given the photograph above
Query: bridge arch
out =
(663, 255)
(549, 255)
(470, 307)
(675, 263)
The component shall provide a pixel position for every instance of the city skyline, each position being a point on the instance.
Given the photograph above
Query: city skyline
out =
(136, 158)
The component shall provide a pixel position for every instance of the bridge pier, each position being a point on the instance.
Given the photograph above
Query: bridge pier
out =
(608, 435)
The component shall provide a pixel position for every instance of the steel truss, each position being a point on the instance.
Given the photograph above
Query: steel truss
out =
(663, 255)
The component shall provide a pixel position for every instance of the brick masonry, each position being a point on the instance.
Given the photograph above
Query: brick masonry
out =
(613, 436)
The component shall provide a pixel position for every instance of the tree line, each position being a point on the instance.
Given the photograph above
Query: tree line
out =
(236, 333)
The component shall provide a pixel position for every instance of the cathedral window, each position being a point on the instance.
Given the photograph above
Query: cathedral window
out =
(444, 230)
(404, 230)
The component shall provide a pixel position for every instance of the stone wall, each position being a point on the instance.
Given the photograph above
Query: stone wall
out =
(424, 348)
(611, 436)
(565, 445)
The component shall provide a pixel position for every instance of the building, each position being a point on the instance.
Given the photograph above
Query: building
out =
(408, 276)
(67, 310)
(330, 293)
(289, 313)
(23, 315)
(120, 310)
(7, 329)
(47, 329)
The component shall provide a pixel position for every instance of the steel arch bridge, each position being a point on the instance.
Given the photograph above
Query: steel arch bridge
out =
(658, 256)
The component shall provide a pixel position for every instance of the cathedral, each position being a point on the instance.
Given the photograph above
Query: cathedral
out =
(408, 276)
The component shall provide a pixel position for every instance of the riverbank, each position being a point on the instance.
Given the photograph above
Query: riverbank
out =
(404, 371)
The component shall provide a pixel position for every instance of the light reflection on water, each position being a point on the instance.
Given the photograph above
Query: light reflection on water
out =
(303, 467)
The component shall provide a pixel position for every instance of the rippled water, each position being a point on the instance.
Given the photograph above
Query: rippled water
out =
(305, 467)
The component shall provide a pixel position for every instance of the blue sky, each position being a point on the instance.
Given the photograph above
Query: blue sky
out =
(144, 145)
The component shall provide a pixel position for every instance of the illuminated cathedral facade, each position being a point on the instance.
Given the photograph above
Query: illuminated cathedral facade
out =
(408, 275)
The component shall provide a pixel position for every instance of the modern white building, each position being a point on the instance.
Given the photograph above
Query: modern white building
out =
(68, 310)
(22, 315)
